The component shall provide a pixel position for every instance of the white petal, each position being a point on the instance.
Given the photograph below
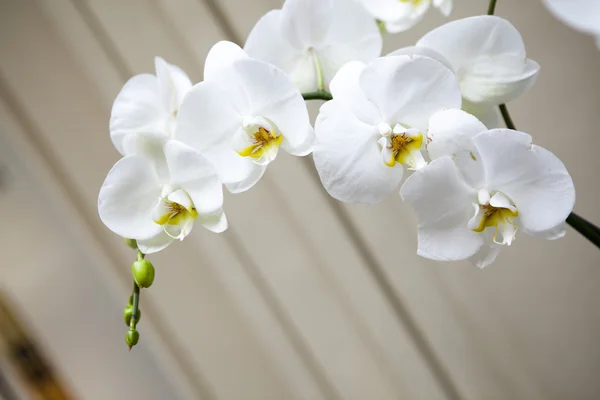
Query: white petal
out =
(306, 23)
(267, 43)
(216, 223)
(194, 174)
(557, 232)
(137, 108)
(409, 90)
(345, 89)
(127, 197)
(404, 24)
(488, 55)
(353, 36)
(255, 172)
(155, 243)
(451, 132)
(151, 147)
(173, 84)
(421, 51)
(488, 252)
(498, 80)
(582, 15)
(464, 41)
(272, 95)
(207, 121)
(445, 6)
(443, 204)
(387, 10)
(348, 159)
(220, 57)
(534, 179)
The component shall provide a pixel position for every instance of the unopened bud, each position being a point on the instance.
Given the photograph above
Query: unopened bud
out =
(131, 243)
(132, 338)
(127, 315)
(143, 273)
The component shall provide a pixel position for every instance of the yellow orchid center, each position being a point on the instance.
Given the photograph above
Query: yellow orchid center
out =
(492, 216)
(174, 214)
(497, 212)
(413, 2)
(263, 140)
(402, 147)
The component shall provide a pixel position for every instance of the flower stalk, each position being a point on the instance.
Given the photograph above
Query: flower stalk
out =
(133, 335)
(492, 7)
(318, 95)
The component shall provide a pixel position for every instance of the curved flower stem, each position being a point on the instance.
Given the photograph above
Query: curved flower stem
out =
(136, 297)
(590, 231)
(318, 95)
(491, 7)
(506, 117)
(135, 306)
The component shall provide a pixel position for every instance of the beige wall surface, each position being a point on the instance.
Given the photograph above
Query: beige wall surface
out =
(341, 307)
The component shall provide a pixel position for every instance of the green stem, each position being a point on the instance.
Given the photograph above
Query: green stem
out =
(318, 95)
(492, 7)
(135, 306)
(136, 296)
(506, 116)
(590, 231)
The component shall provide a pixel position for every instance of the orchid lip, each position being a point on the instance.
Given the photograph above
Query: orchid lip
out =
(495, 211)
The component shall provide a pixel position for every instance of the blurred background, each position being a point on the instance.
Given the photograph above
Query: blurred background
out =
(303, 297)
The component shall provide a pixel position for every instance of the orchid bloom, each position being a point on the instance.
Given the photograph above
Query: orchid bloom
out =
(487, 54)
(582, 15)
(401, 15)
(481, 187)
(375, 124)
(312, 39)
(243, 112)
(156, 199)
(148, 103)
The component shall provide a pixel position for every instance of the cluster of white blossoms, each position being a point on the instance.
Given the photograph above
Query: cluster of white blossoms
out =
(429, 109)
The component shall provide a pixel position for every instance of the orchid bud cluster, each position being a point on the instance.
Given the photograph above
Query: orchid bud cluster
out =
(424, 117)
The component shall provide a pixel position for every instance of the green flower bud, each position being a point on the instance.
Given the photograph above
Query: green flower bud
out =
(131, 300)
(131, 243)
(127, 315)
(132, 338)
(143, 273)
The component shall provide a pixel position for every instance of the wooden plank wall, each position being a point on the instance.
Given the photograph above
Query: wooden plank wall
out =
(340, 307)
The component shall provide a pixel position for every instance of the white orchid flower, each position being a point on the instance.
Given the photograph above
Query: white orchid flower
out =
(312, 39)
(375, 124)
(483, 186)
(487, 54)
(401, 15)
(157, 200)
(148, 103)
(243, 112)
(581, 15)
